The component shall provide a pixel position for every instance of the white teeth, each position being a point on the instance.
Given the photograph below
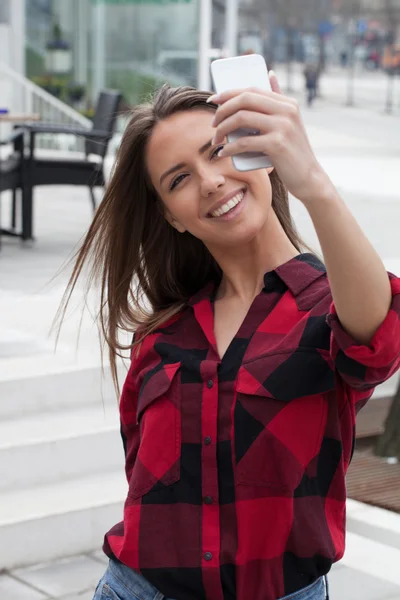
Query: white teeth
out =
(228, 206)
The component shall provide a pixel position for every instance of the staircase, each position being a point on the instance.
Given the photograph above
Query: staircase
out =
(19, 94)
(62, 482)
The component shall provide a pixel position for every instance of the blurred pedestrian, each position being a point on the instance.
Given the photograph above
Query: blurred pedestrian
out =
(311, 76)
(343, 58)
(251, 357)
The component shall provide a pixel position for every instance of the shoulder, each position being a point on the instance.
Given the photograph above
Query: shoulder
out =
(307, 280)
(148, 348)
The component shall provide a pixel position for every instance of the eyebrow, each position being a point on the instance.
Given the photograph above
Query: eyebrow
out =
(179, 166)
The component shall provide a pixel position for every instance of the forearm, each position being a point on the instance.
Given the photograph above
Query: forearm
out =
(359, 283)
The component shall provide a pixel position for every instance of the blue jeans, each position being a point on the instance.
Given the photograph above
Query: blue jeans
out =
(122, 583)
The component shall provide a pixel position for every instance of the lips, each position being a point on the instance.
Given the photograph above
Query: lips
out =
(226, 204)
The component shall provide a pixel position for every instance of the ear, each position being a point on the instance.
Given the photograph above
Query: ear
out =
(173, 222)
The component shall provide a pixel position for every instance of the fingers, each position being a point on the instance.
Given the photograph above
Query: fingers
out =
(246, 119)
(269, 103)
(273, 144)
(274, 82)
(247, 100)
(244, 144)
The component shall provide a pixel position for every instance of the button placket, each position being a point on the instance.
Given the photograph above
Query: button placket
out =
(210, 405)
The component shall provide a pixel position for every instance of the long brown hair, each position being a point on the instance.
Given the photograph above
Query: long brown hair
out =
(147, 271)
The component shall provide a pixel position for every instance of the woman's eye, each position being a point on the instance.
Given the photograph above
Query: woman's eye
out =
(176, 181)
(216, 151)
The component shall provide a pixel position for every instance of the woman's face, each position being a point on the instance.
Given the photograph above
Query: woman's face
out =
(203, 193)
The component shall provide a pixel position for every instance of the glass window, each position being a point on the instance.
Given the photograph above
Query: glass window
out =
(146, 43)
(131, 45)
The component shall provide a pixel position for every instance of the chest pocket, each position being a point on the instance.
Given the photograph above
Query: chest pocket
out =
(279, 417)
(159, 417)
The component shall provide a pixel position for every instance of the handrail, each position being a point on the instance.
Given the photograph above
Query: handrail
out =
(67, 111)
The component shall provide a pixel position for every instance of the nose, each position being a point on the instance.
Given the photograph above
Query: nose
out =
(210, 181)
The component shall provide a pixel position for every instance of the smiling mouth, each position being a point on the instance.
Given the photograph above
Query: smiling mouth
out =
(230, 205)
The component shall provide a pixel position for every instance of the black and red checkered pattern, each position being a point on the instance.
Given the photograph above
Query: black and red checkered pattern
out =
(236, 467)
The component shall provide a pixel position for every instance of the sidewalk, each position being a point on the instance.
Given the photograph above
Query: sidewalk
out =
(366, 89)
(360, 150)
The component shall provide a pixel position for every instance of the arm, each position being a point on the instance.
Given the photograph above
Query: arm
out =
(359, 283)
(15, 136)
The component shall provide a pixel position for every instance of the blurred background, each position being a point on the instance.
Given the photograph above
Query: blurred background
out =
(70, 72)
(74, 48)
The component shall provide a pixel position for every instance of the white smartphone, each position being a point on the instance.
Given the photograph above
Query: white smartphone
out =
(241, 72)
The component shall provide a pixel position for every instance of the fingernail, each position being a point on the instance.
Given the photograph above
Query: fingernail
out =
(272, 74)
(213, 98)
(213, 121)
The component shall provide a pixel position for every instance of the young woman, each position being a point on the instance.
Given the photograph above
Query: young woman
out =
(250, 359)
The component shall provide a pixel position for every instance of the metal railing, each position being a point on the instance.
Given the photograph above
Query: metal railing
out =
(19, 94)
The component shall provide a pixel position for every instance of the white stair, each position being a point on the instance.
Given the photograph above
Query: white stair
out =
(48, 447)
(62, 480)
(374, 523)
(51, 391)
(40, 524)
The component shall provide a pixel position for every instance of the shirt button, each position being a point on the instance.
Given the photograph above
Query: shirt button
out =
(208, 556)
(210, 383)
(207, 440)
(208, 500)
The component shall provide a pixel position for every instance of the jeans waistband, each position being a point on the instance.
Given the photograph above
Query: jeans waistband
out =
(319, 590)
(136, 584)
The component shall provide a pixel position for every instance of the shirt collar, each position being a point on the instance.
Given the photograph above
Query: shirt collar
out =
(300, 272)
(297, 274)
(205, 292)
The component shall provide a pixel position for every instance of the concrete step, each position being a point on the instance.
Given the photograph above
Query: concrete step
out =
(376, 524)
(22, 394)
(374, 559)
(76, 387)
(50, 447)
(64, 519)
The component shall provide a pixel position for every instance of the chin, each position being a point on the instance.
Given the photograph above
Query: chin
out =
(242, 236)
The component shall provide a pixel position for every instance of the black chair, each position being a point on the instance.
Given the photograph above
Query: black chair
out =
(11, 171)
(69, 171)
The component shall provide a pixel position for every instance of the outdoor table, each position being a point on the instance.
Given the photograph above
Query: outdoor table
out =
(14, 118)
(18, 117)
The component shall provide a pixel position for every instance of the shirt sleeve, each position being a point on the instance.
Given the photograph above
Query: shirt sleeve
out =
(364, 367)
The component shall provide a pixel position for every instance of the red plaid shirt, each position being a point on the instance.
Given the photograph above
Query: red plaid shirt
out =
(236, 467)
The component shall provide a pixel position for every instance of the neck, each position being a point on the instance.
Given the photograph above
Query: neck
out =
(244, 266)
